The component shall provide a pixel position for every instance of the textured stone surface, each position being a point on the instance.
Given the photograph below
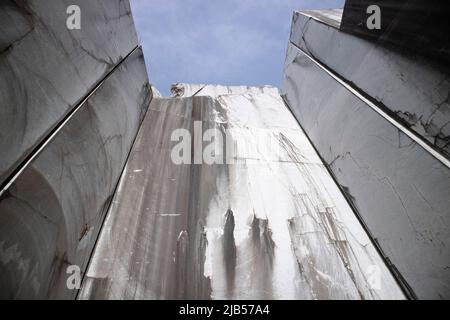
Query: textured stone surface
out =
(416, 25)
(50, 217)
(46, 69)
(398, 188)
(269, 223)
(415, 90)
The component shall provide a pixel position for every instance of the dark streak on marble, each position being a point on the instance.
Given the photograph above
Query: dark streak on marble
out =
(229, 250)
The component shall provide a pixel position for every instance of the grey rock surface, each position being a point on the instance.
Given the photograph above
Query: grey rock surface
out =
(415, 90)
(51, 216)
(47, 69)
(411, 25)
(397, 187)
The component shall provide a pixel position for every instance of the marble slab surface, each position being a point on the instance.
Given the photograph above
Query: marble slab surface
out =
(413, 89)
(47, 69)
(268, 223)
(399, 189)
(51, 216)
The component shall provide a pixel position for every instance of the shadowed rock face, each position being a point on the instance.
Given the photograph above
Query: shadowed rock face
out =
(46, 69)
(50, 217)
(414, 90)
(418, 26)
(393, 166)
(270, 224)
(71, 103)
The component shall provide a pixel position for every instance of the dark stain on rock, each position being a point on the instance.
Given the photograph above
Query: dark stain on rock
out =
(262, 239)
(229, 249)
(182, 253)
(205, 289)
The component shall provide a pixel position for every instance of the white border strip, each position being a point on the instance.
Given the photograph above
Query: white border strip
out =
(377, 109)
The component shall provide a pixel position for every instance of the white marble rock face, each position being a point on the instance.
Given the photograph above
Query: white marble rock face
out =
(398, 188)
(271, 225)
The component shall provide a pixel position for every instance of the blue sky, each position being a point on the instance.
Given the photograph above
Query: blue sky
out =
(230, 42)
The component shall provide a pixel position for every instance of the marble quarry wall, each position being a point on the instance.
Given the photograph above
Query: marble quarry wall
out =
(71, 104)
(380, 120)
(411, 25)
(265, 221)
(337, 188)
